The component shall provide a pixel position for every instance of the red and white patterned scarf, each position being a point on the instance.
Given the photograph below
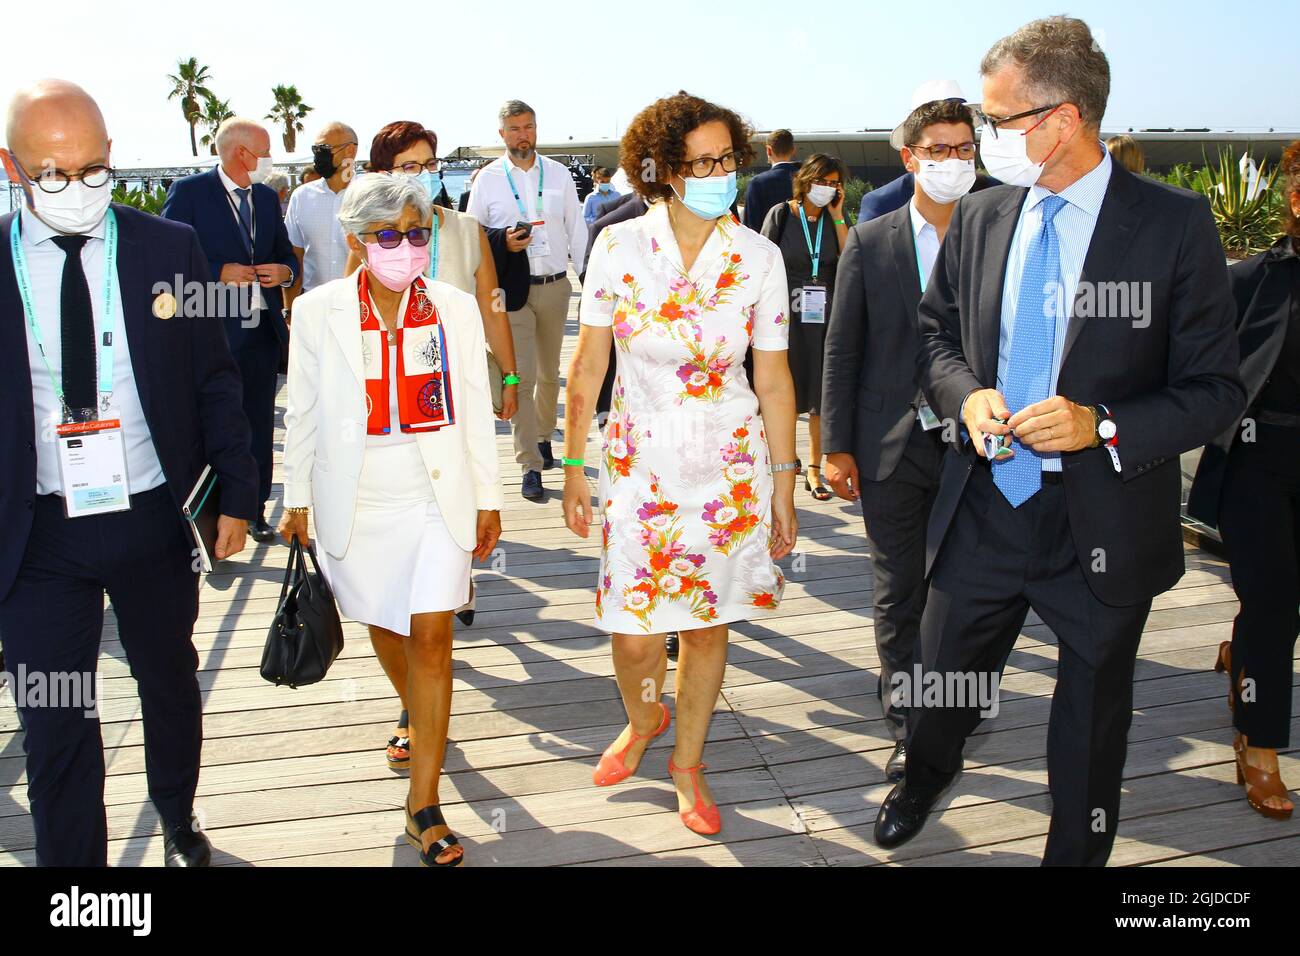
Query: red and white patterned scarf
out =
(424, 401)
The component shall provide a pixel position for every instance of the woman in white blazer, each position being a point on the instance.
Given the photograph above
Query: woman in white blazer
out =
(390, 441)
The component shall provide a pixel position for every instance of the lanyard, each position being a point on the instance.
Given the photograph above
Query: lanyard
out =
(541, 178)
(109, 314)
(433, 253)
(250, 235)
(816, 254)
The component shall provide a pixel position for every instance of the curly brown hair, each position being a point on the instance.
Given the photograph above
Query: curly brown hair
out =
(1290, 175)
(654, 145)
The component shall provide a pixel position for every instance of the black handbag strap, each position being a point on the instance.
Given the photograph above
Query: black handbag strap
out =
(293, 570)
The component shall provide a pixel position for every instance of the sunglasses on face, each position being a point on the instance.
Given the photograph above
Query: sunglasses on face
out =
(392, 238)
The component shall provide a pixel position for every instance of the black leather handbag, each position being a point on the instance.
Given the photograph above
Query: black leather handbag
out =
(306, 635)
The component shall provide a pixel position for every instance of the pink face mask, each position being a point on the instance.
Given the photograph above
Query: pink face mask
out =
(398, 267)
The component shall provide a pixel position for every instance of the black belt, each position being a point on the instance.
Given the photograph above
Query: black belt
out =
(1265, 417)
(546, 280)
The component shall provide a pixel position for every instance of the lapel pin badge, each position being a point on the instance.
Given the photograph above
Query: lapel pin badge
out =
(164, 306)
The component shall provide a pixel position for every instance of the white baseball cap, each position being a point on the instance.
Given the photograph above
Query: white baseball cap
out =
(927, 92)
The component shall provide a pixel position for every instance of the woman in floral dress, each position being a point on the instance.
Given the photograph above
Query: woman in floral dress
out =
(697, 468)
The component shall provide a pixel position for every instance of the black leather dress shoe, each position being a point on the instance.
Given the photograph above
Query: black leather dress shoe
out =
(896, 763)
(548, 458)
(533, 489)
(262, 532)
(902, 815)
(184, 844)
(671, 644)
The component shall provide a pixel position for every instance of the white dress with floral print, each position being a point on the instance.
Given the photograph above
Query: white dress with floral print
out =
(684, 480)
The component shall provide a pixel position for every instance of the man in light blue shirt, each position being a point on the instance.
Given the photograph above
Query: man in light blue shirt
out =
(600, 199)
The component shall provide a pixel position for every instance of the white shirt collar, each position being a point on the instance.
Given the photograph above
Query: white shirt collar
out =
(35, 231)
(229, 183)
(919, 222)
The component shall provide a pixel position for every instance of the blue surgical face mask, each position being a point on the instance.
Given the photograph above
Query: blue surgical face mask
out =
(603, 187)
(711, 196)
(432, 182)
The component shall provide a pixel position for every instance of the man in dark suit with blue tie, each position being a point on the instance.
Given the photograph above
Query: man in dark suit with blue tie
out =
(1079, 319)
(772, 186)
(118, 390)
(243, 235)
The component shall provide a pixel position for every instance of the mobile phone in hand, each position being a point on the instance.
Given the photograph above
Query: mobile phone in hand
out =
(525, 227)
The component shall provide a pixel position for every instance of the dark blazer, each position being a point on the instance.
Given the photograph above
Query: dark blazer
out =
(893, 195)
(200, 201)
(189, 385)
(513, 274)
(870, 388)
(629, 207)
(1171, 381)
(765, 190)
(1262, 291)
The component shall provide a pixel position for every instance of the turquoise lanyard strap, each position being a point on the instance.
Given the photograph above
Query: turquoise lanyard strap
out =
(541, 179)
(920, 267)
(107, 340)
(816, 254)
(433, 253)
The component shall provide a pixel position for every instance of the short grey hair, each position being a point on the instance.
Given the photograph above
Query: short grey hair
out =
(235, 132)
(513, 108)
(1060, 63)
(381, 197)
(277, 181)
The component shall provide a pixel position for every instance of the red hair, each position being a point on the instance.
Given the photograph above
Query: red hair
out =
(395, 139)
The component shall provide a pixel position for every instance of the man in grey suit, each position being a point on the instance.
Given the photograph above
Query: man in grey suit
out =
(884, 443)
(1080, 319)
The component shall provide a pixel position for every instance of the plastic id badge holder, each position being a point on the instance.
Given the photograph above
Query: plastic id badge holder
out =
(812, 305)
(540, 246)
(92, 467)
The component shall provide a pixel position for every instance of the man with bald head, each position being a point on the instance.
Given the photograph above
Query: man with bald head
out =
(113, 399)
(238, 221)
(312, 220)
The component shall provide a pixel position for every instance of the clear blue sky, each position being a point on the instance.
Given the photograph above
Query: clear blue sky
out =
(848, 65)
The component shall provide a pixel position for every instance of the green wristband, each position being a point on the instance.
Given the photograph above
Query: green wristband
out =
(573, 462)
(510, 379)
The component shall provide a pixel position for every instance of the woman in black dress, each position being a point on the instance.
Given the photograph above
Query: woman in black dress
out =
(811, 248)
(1248, 484)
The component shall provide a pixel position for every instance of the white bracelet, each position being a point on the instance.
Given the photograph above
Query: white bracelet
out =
(785, 466)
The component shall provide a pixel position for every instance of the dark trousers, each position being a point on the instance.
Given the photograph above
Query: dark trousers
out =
(51, 623)
(1259, 519)
(896, 511)
(259, 365)
(996, 564)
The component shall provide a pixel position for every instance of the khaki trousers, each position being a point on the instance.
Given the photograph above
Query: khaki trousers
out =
(538, 332)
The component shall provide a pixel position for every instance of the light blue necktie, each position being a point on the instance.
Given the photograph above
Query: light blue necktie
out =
(246, 216)
(1029, 367)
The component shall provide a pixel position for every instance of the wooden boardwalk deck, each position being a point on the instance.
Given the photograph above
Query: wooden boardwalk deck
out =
(796, 749)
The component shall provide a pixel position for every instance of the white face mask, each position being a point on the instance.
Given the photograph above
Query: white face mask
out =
(948, 181)
(263, 170)
(1006, 157)
(820, 195)
(75, 209)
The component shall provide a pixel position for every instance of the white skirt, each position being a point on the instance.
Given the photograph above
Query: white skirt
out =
(401, 559)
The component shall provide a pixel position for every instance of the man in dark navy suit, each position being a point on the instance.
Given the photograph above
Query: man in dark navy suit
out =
(169, 380)
(774, 185)
(246, 244)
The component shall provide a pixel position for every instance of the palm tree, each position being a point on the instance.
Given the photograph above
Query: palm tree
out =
(188, 83)
(289, 109)
(214, 113)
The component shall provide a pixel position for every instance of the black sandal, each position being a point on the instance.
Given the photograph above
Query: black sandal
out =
(398, 753)
(431, 816)
(821, 492)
